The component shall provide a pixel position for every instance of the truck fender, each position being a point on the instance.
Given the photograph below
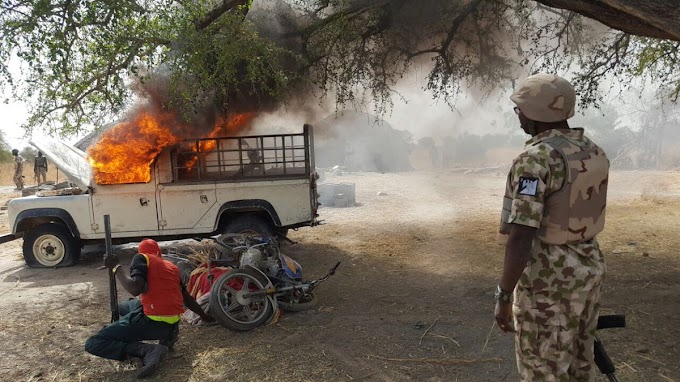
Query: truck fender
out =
(251, 205)
(45, 215)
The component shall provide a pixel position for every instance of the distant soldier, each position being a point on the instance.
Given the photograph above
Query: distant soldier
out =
(434, 156)
(18, 170)
(553, 207)
(40, 168)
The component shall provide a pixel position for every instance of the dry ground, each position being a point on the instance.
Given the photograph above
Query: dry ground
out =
(7, 174)
(412, 300)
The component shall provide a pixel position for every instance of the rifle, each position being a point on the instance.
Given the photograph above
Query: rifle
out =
(602, 360)
(113, 290)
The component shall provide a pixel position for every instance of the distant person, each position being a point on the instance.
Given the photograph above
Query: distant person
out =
(434, 156)
(553, 208)
(40, 168)
(18, 170)
(154, 316)
(378, 163)
(254, 161)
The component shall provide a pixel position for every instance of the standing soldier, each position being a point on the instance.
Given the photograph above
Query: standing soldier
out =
(18, 170)
(553, 207)
(40, 168)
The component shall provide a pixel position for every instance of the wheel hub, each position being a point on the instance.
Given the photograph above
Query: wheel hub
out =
(49, 250)
(241, 297)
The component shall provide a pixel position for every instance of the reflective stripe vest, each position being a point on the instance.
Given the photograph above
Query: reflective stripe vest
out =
(163, 296)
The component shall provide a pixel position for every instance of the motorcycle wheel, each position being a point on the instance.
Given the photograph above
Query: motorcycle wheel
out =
(234, 311)
(305, 301)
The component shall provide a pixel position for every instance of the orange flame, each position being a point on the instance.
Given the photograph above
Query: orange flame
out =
(230, 127)
(125, 152)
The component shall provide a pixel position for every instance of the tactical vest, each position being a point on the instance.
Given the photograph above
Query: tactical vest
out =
(163, 296)
(576, 211)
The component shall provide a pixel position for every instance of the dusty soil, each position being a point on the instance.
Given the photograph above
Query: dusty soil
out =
(412, 300)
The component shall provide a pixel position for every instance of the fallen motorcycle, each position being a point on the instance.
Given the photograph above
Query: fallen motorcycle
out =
(261, 281)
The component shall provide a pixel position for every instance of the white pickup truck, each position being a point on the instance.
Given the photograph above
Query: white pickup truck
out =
(198, 188)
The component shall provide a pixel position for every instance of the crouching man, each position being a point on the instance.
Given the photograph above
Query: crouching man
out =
(154, 316)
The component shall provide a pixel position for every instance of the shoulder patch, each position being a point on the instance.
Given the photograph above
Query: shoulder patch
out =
(528, 186)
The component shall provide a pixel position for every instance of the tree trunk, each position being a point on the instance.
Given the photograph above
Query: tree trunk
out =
(649, 18)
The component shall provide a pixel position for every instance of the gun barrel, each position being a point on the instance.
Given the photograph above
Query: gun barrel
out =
(113, 290)
(602, 360)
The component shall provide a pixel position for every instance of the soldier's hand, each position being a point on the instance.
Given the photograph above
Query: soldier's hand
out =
(503, 313)
(111, 261)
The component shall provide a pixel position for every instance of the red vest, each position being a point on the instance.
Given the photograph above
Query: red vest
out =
(163, 296)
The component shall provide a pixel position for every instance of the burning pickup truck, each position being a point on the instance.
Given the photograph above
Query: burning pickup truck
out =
(192, 188)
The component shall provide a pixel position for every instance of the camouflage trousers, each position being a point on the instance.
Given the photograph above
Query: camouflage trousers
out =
(555, 334)
(19, 181)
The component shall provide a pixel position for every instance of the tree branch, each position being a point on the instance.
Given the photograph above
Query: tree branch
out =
(221, 9)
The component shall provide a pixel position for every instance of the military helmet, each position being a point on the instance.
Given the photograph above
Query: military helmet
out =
(15, 152)
(545, 98)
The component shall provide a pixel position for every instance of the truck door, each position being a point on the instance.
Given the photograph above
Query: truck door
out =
(183, 206)
(132, 207)
(185, 202)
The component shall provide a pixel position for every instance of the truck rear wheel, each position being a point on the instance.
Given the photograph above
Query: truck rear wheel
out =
(249, 224)
(50, 245)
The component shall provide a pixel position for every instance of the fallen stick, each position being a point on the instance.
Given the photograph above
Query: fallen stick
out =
(437, 361)
(493, 325)
(447, 337)
(649, 359)
(427, 330)
(626, 364)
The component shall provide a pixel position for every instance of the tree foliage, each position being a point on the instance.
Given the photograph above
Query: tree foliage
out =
(28, 153)
(5, 151)
(83, 62)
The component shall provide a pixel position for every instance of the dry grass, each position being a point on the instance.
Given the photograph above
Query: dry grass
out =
(670, 159)
(7, 174)
(655, 190)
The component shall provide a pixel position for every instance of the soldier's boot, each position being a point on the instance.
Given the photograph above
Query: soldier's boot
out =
(151, 356)
(172, 338)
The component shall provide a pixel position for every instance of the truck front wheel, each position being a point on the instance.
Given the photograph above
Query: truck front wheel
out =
(50, 245)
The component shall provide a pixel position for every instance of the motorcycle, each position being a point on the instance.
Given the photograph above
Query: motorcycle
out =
(261, 281)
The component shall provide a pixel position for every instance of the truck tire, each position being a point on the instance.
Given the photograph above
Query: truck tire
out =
(249, 223)
(50, 245)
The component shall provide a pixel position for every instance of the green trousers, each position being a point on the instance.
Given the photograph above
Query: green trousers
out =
(133, 326)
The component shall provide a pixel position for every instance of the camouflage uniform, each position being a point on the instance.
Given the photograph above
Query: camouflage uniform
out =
(556, 299)
(18, 172)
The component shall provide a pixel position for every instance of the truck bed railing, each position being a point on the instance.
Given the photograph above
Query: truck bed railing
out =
(242, 158)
